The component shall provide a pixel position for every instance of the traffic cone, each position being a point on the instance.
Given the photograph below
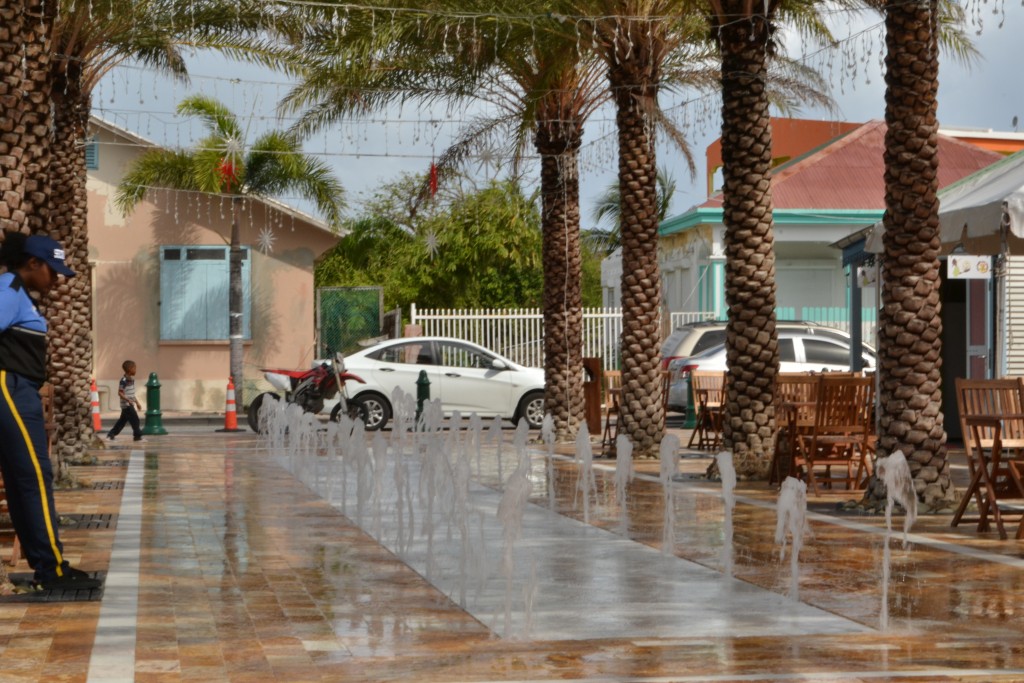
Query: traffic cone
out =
(230, 412)
(94, 401)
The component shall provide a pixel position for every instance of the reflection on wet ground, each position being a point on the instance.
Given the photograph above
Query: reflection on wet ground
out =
(245, 574)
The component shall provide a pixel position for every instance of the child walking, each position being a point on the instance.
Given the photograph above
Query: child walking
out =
(126, 392)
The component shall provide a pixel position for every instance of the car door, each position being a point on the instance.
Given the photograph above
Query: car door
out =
(469, 384)
(399, 365)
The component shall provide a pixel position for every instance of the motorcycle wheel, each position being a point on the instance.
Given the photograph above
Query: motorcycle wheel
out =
(253, 414)
(356, 411)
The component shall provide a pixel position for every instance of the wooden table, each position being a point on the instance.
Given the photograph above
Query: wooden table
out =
(995, 477)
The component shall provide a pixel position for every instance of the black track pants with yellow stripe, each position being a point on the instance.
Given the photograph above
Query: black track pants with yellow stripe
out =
(28, 477)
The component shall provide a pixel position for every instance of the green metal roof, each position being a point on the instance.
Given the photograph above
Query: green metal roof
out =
(706, 216)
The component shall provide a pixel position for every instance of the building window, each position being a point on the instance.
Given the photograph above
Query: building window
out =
(92, 154)
(194, 293)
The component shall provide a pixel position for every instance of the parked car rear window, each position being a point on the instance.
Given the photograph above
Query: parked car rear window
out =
(708, 339)
(826, 353)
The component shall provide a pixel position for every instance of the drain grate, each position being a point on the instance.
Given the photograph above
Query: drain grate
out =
(107, 485)
(23, 581)
(96, 521)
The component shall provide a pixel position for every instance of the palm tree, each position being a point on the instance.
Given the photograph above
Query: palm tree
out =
(90, 39)
(637, 40)
(910, 324)
(221, 164)
(751, 339)
(541, 87)
(745, 34)
(25, 53)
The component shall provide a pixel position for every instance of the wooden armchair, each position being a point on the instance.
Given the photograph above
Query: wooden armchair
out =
(708, 388)
(840, 438)
(795, 396)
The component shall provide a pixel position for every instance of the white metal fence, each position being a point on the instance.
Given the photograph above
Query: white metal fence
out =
(519, 333)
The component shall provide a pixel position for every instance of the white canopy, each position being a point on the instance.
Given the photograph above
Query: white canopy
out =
(972, 209)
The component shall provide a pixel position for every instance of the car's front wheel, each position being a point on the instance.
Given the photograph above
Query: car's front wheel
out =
(374, 410)
(531, 408)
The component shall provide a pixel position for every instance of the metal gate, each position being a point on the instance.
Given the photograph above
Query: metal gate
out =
(345, 316)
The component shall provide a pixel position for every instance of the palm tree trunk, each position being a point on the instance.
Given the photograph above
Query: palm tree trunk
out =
(563, 297)
(235, 327)
(25, 55)
(71, 347)
(634, 88)
(748, 424)
(910, 324)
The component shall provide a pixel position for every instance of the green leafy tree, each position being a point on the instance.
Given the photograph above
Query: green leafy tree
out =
(480, 249)
(222, 164)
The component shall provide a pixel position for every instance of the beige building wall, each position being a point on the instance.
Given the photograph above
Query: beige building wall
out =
(125, 253)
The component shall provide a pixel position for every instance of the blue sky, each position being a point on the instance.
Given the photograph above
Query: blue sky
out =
(370, 153)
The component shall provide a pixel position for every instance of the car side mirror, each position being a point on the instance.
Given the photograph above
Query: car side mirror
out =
(498, 364)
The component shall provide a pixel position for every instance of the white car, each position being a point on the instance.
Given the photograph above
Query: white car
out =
(798, 352)
(466, 377)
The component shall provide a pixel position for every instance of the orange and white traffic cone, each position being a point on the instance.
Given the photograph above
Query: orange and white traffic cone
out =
(94, 401)
(230, 411)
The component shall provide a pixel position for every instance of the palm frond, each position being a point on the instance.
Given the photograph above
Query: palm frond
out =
(156, 169)
(219, 119)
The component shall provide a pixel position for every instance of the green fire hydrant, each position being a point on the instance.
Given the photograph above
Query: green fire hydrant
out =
(422, 394)
(154, 418)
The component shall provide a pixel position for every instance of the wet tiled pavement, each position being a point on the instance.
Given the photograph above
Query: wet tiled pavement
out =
(224, 566)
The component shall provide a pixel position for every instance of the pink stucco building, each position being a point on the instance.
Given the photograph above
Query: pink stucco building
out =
(160, 283)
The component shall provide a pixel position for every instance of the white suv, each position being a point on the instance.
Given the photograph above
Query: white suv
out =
(694, 338)
(800, 350)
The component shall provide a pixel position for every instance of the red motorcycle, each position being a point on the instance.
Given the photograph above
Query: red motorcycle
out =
(309, 389)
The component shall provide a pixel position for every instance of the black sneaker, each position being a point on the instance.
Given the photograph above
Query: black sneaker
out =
(139, 439)
(73, 579)
(109, 437)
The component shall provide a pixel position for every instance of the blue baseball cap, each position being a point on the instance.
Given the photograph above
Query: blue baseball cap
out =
(50, 251)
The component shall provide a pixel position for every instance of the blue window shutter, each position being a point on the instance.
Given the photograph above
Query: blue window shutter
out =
(195, 291)
(173, 275)
(92, 154)
(216, 297)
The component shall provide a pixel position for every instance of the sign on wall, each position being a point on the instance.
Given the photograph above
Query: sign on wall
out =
(967, 267)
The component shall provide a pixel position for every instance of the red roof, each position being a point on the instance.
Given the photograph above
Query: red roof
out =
(848, 172)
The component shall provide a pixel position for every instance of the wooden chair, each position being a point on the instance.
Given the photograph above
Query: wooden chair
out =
(978, 400)
(839, 439)
(989, 397)
(795, 395)
(612, 380)
(708, 388)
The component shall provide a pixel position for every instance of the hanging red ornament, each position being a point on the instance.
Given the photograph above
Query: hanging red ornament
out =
(433, 179)
(227, 173)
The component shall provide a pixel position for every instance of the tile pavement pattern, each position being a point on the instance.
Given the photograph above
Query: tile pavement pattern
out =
(223, 567)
